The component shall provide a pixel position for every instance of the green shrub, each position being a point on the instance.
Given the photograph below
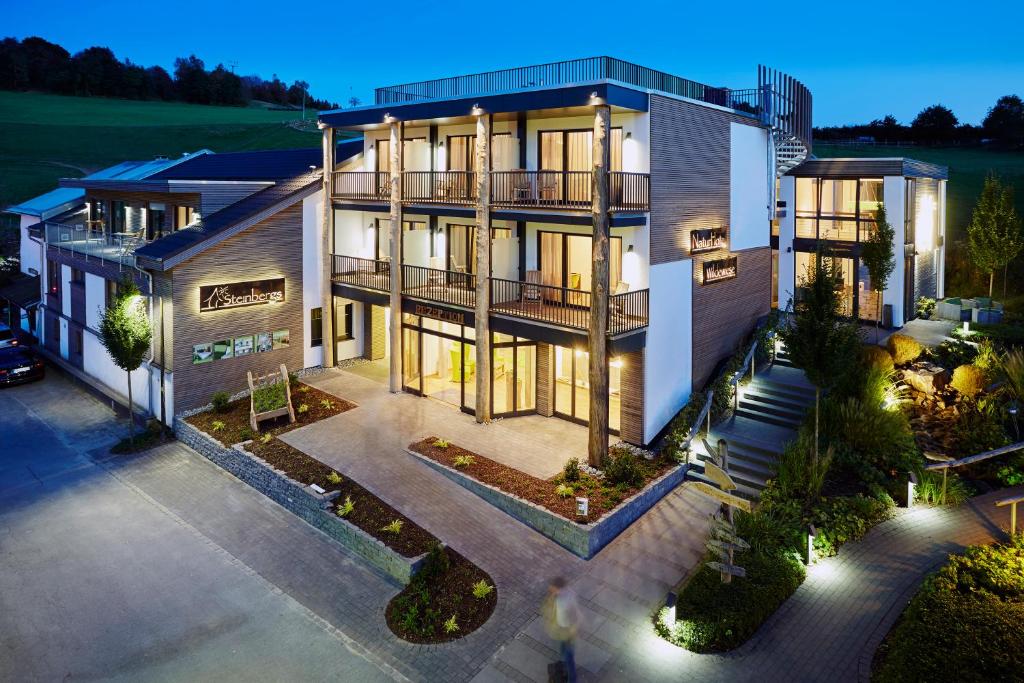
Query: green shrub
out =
(303, 408)
(571, 471)
(450, 625)
(929, 488)
(269, 397)
(395, 527)
(881, 439)
(265, 439)
(622, 467)
(954, 352)
(964, 623)
(979, 427)
(876, 356)
(904, 349)
(845, 519)
(463, 461)
(217, 426)
(481, 589)
(969, 380)
(441, 443)
(221, 401)
(712, 616)
(246, 433)
(563, 491)
(293, 379)
(987, 358)
(1003, 335)
(326, 404)
(799, 475)
(346, 508)
(334, 478)
(925, 306)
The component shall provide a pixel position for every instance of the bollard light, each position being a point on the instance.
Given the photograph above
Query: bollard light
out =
(811, 533)
(967, 328)
(911, 488)
(670, 609)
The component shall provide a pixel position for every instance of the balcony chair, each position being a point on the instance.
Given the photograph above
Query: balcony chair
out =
(522, 188)
(435, 277)
(615, 308)
(530, 293)
(547, 186)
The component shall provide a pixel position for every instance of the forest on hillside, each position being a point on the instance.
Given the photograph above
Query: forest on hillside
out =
(39, 65)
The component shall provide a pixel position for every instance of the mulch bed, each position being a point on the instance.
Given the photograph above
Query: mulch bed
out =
(370, 513)
(236, 418)
(418, 613)
(603, 497)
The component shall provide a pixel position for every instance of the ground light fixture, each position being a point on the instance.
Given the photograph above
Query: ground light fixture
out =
(967, 327)
(811, 533)
(911, 488)
(669, 618)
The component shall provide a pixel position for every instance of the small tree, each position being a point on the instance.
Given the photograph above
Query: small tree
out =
(125, 333)
(994, 234)
(818, 340)
(877, 255)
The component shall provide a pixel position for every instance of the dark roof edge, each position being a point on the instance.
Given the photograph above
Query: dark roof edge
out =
(853, 167)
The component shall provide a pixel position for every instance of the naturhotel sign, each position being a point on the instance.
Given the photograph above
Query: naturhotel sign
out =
(719, 270)
(240, 294)
(707, 239)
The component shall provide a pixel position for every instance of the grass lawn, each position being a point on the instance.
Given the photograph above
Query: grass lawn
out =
(46, 137)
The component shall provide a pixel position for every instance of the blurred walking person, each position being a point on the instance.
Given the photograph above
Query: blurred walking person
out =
(562, 619)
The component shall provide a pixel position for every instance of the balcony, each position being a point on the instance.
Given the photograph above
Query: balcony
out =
(570, 308)
(555, 190)
(118, 247)
(372, 274)
(443, 286)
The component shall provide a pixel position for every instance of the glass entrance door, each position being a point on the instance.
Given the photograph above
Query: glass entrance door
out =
(439, 361)
(513, 375)
(572, 387)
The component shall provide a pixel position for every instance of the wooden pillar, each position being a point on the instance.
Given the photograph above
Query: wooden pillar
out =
(483, 267)
(597, 446)
(397, 153)
(326, 251)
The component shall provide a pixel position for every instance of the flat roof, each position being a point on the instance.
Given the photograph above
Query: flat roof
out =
(860, 167)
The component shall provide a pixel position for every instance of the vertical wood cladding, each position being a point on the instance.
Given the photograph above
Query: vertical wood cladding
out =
(725, 312)
(374, 332)
(631, 413)
(269, 249)
(690, 158)
(545, 379)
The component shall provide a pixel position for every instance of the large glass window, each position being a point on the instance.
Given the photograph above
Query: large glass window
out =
(566, 260)
(514, 375)
(572, 151)
(837, 209)
(572, 386)
(316, 326)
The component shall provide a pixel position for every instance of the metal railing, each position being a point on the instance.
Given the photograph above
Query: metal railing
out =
(443, 286)
(374, 185)
(444, 187)
(553, 74)
(568, 190)
(369, 273)
(94, 243)
(568, 307)
(704, 414)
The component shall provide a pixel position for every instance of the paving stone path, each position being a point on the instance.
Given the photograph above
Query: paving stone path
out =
(828, 630)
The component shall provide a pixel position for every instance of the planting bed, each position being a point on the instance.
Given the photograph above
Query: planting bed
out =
(369, 513)
(443, 588)
(235, 419)
(603, 496)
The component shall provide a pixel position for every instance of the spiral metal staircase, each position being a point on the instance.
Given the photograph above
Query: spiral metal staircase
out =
(786, 108)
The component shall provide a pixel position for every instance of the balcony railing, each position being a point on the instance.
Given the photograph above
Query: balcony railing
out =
(567, 307)
(569, 190)
(362, 272)
(443, 187)
(373, 185)
(118, 247)
(443, 286)
(553, 74)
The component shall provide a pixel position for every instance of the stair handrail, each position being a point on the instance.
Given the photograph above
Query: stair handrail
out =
(946, 465)
(705, 412)
(748, 361)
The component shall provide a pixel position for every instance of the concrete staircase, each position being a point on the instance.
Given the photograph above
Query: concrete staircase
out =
(771, 408)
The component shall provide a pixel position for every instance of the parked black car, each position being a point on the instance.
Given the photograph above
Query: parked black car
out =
(19, 364)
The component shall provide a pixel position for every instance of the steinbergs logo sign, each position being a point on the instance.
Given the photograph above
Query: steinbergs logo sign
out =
(721, 269)
(240, 294)
(708, 239)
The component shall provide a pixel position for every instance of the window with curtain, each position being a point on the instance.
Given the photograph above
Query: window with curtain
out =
(566, 260)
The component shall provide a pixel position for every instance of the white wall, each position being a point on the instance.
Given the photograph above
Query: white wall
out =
(353, 235)
(351, 348)
(95, 300)
(749, 213)
(668, 364)
(893, 196)
(787, 230)
(96, 362)
(312, 271)
(30, 252)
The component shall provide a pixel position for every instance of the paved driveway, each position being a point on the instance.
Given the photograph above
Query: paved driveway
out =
(100, 580)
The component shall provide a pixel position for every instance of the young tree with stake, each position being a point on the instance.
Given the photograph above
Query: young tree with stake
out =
(125, 333)
(878, 257)
(994, 234)
(818, 340)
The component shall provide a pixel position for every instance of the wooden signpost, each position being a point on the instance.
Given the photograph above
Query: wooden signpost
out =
(728, 570)
(723, 496)
(725, 542)
(719, 476)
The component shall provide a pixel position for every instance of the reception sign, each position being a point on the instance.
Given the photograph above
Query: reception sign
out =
(706, 240)
(719, 270)
(240, 294)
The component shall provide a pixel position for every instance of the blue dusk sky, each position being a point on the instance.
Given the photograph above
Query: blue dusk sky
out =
(860, 60)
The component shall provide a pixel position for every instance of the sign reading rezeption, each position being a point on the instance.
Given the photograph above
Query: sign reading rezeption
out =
(240, 294)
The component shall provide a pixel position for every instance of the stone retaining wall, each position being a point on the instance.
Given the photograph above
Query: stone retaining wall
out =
(583, 540)
(313, 508)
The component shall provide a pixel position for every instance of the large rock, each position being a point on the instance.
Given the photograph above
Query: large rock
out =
(927, 378)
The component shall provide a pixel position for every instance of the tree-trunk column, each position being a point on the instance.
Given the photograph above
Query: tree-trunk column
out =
(395, 251)
(483, 267)
(326, 247)
(598, 442)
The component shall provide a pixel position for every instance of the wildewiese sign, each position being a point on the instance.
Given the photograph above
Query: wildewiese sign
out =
(240, 294)
(719, 269)
(707, 239)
